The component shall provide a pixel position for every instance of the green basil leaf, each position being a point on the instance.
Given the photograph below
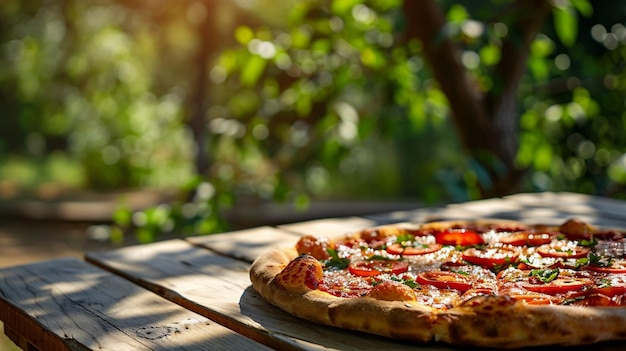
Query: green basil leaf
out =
(336, 262)
(545, 275)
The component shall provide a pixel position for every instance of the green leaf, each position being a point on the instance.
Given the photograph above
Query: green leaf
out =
(605, 283)
(541, 47)
(458, 271)
(543, 157)
(490, 55)
(566, 25)
(372, 58)
(122, 216)
(380, 258)
(116, 235)
(145, 235)
(336, 262)
(252, 70)
(457, 14)
(303, 105)
(539, 68)
(302, 202)
(322, 46)
(545, 275)
(300, 37)
(206, 226)
(405, 239)
(408, 282)
(589, 243)
(583, 6)
(600, 261)
(243, 34)
(340, 7)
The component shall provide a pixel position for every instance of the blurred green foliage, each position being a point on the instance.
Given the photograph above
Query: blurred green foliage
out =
(305, 100)
(78, 83)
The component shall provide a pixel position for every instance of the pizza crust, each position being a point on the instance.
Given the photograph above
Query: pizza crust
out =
(488, 321)
(517, 325)
(387, 318)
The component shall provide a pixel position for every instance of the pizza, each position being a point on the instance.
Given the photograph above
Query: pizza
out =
(488, 283)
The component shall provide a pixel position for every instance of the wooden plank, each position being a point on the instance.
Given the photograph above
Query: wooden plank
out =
(548, 208)
(67, 304)
(245, 244)
(329, 227)
(422, 215)
(596, 206)
(535, 208)
(219, 288)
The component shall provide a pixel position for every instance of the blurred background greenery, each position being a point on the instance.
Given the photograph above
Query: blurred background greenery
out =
(261, 101)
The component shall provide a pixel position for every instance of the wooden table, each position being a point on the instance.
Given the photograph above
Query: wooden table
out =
(195, 294)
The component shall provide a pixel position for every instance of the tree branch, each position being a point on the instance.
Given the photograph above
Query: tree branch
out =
(426, 22)
(487, 125)
(502, 101)
(200, 91)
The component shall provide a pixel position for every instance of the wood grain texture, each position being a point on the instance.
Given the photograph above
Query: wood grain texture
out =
(68, 304)
(329, 227)
(549, 208)
(603, 208)
(219, 288)
(246, 244)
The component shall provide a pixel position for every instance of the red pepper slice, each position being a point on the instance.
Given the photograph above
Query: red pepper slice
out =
(375, 267)
(459, 237)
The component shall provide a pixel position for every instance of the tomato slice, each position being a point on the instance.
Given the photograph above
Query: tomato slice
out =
(445, 280)
(461, 237)
(398, 249)
(563, 251)
(559, 285)
(315, 246)
(618, 266)
(595, 300)
(495, 257)
(526, 239)
(610, 291)
(375, 267)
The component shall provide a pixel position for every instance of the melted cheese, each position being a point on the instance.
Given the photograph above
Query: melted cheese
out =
(341, 282)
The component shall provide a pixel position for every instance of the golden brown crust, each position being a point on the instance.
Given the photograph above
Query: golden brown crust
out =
(303, 273)
(387, 318)
(497, 321)
(486, 321)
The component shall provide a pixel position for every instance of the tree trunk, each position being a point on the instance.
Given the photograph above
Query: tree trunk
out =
(206, 34)
(485, 122)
